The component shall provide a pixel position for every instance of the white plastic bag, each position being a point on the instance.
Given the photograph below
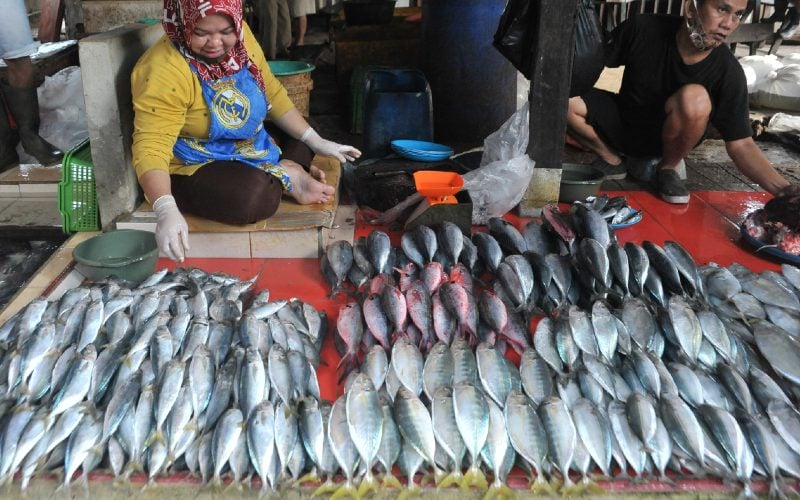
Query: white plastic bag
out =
(757, 67)
(782, 122)
(781, 89)
(506, 169)
(62, 111)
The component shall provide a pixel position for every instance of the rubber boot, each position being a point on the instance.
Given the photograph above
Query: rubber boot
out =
(8, 142)
(24, 106)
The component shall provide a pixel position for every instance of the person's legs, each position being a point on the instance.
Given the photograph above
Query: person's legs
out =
(232, 192)
(23, 102)
(307, 187)
(687, 114)
(585, 134)
(229, 192)
(8, 141)
(790, 25)
(594, 121)
(268, 27)
(302, 26)
(284, 39)
(16, 47)
(688, 111)
(778, 12)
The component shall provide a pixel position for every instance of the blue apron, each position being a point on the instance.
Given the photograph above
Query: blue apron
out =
(237, 127)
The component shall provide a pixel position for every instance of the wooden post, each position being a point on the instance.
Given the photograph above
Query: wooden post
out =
(50, 20)
(553, 49)
(73, 19)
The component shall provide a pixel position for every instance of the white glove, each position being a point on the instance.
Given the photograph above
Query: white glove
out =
(329, 148)
(172, 232)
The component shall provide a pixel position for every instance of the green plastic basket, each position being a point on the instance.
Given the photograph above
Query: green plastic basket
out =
(77, 198)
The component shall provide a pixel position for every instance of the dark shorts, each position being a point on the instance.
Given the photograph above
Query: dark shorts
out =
(232, 192)
(615, 130)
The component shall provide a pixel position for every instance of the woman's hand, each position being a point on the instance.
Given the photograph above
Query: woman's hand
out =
(329, 148)
(172, 232)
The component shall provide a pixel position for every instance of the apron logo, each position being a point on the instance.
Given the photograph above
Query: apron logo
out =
(230, 106)
(196, 144)
(248, 150)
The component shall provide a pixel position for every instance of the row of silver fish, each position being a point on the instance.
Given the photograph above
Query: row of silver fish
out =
(173, 374)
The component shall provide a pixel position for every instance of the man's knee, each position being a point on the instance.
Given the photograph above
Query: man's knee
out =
(691, 102)
(576, 110)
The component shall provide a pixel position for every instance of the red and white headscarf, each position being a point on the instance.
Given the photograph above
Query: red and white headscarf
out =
(180, 19)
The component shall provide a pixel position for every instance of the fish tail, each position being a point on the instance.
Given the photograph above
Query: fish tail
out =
(450, 479)
(540, 485)
(350, 362)
(327, 487)
(775, 490)
(368, 483)
(500, 491)
(156, 435)
(474, 477)
(409, 492)
(344, 491)
(390, 481)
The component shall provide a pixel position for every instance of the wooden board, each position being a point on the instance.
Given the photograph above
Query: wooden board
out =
(290, 216)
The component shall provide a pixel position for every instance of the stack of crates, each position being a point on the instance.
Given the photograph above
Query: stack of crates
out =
(77, 198)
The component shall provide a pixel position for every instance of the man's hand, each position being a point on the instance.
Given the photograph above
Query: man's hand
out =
(329, 148)
(790, 190)
(172, 232)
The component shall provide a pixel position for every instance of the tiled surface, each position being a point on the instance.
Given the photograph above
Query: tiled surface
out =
(16, 175)
(31, 212)
(343, 228)
(5, 203)
(38, 190)
(9, 191)
(300, 243)
(221, 245)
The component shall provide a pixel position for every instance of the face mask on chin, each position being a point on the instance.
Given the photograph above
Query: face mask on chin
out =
(697, 34)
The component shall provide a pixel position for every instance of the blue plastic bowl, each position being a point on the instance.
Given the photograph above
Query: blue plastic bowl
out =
(421, 150)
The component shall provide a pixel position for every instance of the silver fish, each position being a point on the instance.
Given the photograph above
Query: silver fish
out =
(438, 369)
(684, 427)
(224, 441)
(341, 443)
(445, 430)
(526, 433)
(414, 423)
(493, 373)
(561, 435)
(537, 378)
(365, 421)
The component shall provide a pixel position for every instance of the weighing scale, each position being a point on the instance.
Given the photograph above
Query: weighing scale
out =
(443, 200)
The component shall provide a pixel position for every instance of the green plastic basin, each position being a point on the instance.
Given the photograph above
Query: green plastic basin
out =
(287, 68)
(127, 254)
(579, 182)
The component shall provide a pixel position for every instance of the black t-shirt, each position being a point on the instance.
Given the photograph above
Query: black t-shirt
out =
(645, 45)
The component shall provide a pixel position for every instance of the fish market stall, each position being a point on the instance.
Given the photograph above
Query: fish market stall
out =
(235, 376)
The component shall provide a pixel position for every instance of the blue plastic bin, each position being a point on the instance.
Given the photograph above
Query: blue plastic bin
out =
(397, 105)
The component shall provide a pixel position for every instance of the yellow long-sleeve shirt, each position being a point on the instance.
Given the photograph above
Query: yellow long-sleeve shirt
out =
(168, 102)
